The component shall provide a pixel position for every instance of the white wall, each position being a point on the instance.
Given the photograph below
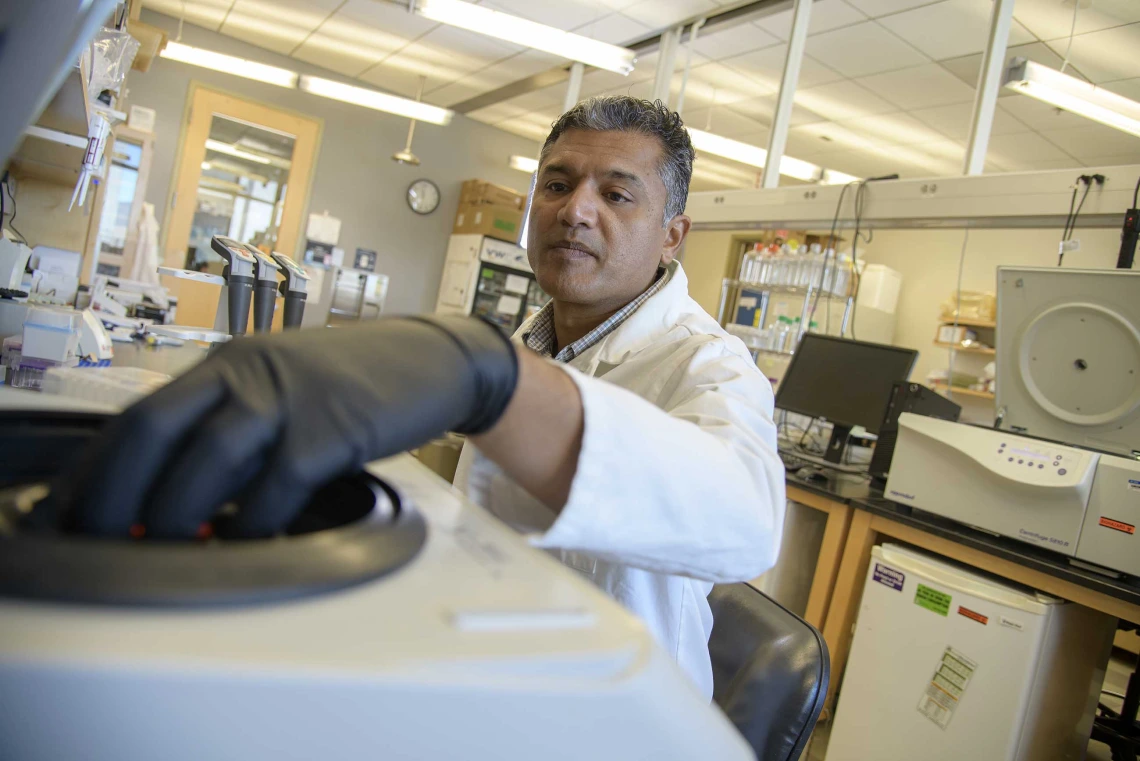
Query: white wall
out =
(928, 262)
(354, 178)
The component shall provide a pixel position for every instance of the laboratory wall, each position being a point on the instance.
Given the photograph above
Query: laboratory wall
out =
(355, 179)
(928, 263)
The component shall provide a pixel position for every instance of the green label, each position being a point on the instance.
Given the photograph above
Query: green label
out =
(932, 599)
(486, 273)
(504, 224)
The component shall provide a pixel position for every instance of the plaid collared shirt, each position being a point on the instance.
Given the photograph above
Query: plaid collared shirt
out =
(540, 338)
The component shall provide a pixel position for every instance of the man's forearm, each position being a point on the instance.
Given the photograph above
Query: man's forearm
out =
(537, 440)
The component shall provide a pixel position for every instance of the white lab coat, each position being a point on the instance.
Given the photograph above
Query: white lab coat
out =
(678, 483)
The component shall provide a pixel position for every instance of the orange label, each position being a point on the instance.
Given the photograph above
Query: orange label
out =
(1127, 528)
(973, 615)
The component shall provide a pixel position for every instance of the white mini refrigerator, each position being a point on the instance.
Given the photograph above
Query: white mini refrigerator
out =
(948, 665)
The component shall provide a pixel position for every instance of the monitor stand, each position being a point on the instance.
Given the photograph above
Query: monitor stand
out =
(837, 443)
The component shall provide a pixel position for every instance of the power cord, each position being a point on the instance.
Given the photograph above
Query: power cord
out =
(5, 184)
(1071, 218)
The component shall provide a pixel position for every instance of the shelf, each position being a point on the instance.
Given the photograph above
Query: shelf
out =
(956, 391)
(967, 349)
(70, 108)
(50, 155)
(151, 42)
(779, 289)
(969, 323)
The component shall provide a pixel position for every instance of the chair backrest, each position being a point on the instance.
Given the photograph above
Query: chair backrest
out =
(770, 670)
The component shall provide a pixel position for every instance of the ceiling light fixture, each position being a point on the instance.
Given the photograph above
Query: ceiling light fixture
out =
(1071, 94)
(529, 34)
(229, 64)
(360, 96)
(229, 150)
(755, 156)
(524, 164)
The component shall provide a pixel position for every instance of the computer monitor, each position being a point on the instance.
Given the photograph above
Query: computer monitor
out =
(845, 382)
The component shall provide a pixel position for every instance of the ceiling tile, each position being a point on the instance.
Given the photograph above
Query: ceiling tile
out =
(616, 29)
(535, 125)
(347, 47)
(963, 28)
(953, 121)
(207, 13)
(843, 100)
(763, 109)
(863, 49)
(1106, 55)
(919, 87)
(277, 25)
(825, 16)
(810, 137)
(599, 81)
(564, 14)
(537, 100)
(1038, 115)
(1129, 158)
(767, 67)
(968, 68)
(660, 14)
(1028, 146)
(1050, 20)
(497, 113)
(392, 18)
(895, 129)
(445, 55)
(1094, 139)
(725, 122)
(876, 8)
(742, 38)
(1129, 88)
(494, 76)
(397, 80)
(715, 81)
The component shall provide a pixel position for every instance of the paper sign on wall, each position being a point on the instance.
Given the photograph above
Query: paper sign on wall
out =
(323, 229)
(509, 305)
(517, 284)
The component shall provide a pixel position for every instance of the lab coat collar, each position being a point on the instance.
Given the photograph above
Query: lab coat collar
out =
(652, 319)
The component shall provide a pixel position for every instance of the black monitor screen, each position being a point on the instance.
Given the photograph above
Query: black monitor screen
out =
(847, 382)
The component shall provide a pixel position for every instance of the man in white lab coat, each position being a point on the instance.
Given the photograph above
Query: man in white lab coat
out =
(633, 437)
(659, 506)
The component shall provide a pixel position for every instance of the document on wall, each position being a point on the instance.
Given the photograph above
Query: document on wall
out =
(324, 229)
(517, 284)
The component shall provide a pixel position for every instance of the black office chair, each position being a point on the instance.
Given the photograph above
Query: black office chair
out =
(770, 670)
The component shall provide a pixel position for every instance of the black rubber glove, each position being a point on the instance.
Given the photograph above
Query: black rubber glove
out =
(267, 420)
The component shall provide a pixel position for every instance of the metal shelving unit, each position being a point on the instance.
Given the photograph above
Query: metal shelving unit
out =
(731, 289)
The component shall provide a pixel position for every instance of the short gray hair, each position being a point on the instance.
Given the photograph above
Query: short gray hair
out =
(622, 113)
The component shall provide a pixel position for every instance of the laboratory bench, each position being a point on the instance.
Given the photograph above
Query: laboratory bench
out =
(858, 518)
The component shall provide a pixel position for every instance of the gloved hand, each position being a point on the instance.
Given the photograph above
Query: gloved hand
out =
(268, 420)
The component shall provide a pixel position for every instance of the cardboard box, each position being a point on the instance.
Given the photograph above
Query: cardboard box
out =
(478, 192)
(493, 221)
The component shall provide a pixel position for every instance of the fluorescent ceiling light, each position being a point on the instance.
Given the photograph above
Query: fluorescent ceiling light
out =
(529, 34)
(229, 64)
(524, 164)
(393, 104)
(1071, 94)
(755, 156)
(226, 148)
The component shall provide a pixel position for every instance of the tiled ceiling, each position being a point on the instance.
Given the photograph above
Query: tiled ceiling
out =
(885, 86)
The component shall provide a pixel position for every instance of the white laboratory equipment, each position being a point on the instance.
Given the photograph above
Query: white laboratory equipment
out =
(1079, 502)
(414, 626)
(488, 278)
(1068, 355)
(948, 665)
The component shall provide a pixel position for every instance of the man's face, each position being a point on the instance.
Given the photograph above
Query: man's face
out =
(596, 236)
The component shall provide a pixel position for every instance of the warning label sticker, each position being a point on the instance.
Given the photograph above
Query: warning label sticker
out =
(973, 615)
(1127, 528)
(889, 577)
(1134, 484)
(932, 599)
(946, 688)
